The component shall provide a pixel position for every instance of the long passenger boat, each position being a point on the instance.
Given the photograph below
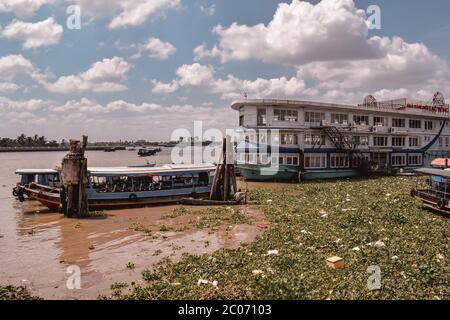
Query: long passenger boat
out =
(296, 140)
(133, 186)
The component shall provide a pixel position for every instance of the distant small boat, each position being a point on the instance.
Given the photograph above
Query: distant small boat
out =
(110, 150)
(147, 152)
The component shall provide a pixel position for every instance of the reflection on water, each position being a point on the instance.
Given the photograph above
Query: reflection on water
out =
(37, 246)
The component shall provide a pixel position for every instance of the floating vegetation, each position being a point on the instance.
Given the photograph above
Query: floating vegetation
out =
(15, 293)
(140, 227)
(371, 222)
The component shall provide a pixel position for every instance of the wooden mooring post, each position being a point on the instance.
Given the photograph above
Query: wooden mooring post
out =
(74, 180)
(225, 176)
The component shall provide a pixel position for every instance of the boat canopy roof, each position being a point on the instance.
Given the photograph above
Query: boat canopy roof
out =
(163, 170)
(23, 172)
(434, 172)
(440, 162)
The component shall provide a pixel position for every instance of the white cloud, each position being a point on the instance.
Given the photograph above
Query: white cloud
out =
(299, 32)
(159, 49)
(17, 70)
(107, 121)
(107, 75)
(328, 44)
(196, 75)
(208, 10)
(8, 87)
(164, 88)
(125, 13)
(34, 35)
(23, 105)
(202, 77)
(23, 8)
(131, 107)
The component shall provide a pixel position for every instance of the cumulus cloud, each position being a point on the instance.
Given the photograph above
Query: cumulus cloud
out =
(159, 49)
(107, 75)
(164, 88)
(203, 77)
(8, 87)
(24, 105)
(16, 70)
(108, 121)
(126, 13)
(299, 32)
(34, 35)
(329, 45)
(23, 8)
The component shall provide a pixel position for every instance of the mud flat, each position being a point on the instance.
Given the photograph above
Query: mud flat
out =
(117, 246)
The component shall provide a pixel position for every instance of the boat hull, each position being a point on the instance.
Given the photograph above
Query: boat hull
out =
(430, 200)
(261, 173)
(53, 201)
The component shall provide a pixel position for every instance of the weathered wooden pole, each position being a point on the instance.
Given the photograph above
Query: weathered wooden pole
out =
(74, 180)
(225, 178)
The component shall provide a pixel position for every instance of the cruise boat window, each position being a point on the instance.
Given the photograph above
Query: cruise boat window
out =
(414, 141)
(241, 120)
(262, 117)
(339, 161)
(285, 115)
(315, 160)
(398, 141)
(379, 121)
(415, 124)
(361, 140)
(398, 160)
(314, 117)
(314, 139)
(287, 139)
(398, 123)
(415, 160)
(292, 160)
(380, 141)
(361, 120)
(339, 118)
(429, 125)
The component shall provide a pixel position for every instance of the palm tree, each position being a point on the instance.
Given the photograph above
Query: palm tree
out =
(21, 139)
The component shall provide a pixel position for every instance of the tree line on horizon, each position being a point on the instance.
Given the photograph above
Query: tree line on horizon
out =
(41, 141)
(28, 141)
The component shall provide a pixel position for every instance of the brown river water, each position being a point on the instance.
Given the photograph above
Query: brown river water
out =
(37, 247)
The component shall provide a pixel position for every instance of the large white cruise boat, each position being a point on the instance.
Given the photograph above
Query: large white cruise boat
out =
(295, 140)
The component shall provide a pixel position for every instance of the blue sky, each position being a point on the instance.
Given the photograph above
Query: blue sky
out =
(51, 86)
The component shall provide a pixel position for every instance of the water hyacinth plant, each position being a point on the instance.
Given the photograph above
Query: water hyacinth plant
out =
(367, 222)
